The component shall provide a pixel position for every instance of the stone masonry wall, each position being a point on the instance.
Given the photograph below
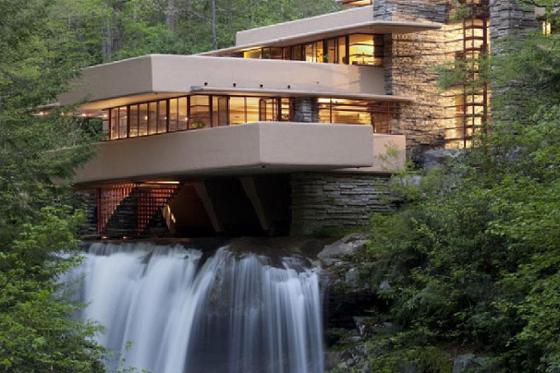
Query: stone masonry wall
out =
(508, 17)
(412, 58)
(410, 70)
(306, 109)
(340, 200)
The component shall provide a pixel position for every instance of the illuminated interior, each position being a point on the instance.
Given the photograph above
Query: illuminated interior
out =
(353, 49)
(206, 111)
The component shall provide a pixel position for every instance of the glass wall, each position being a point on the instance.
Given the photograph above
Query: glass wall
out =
(206, 111)
(353, 49)
(194, 112)
(377, 114)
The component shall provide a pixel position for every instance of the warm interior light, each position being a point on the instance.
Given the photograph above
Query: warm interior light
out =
(547, 28)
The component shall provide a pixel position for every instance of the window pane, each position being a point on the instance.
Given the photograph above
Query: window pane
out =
(276, 53)
(114, 124)
(286, 109)
(267, 110)
(162, 116)
(123, 123)
(182, 119)
(133, 120)
(319, 53)
(253, 53)
(143, 130)
(287, 53)
(309, 53)
(342, 50)
(350, 112)
(252, 109)
(361, 49)
(105, 127)
(237, 110)
(219, 111)
(297, 53)
(332, 51)
(173, 108)
(152, 118)
(200, 112)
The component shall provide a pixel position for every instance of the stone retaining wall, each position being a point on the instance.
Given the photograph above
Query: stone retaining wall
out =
(323, 201)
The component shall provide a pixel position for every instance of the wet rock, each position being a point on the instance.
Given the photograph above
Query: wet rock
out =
(334, 253)
(439, 158)
(352, 278)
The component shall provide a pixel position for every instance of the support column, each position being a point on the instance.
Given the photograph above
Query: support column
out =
(202, 193)
(250, 188)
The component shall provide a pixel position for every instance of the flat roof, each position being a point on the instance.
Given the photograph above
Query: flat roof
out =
(373, 27)
(155, 77)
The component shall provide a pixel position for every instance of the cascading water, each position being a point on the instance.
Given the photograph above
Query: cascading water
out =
(167, 310)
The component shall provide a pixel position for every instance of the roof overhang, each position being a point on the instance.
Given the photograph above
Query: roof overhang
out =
(297, 93)
(373, 27)
(154, 77)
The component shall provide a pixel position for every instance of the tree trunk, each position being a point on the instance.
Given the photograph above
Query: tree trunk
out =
(213, 21)
(171, 15)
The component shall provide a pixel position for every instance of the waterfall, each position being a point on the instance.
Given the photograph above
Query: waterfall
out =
(167, 309)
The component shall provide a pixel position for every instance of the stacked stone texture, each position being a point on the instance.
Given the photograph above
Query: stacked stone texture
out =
(410, 65)
(509, 17)
(340, 200)
(306, 109)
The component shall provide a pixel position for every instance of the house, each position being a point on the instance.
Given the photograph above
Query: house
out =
(295, 129)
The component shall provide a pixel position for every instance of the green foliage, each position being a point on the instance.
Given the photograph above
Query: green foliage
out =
(38, 217)
(473, 258)
(37, 333)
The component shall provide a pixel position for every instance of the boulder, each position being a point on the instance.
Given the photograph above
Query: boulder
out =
(335, 252)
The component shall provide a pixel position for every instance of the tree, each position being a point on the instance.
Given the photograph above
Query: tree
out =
(473, 258)
(38, 216)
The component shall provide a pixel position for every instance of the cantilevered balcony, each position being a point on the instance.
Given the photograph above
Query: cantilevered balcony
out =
(257, 148)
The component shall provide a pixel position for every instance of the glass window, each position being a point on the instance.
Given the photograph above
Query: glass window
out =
(298, 53)
(276, 53)
(309, 52)
(319, 52)
(114, 115)
(237, 110)
(253, 53)
(123, 122)
(361, 49)
(219, 111)
(162, 117)
(182, 120)
(344, 111)
(287, 53)
(173, 112)
(200, 112)
(152, 118)
(133, 121)
(267, 110)
(332, 51)
(143, 125)
(285, 109)
(342, 50)
(252, 109)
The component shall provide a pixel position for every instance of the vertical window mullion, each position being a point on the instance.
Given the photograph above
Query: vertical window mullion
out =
(188, 113)
(110, 123)
(167, 115)
(128, 121)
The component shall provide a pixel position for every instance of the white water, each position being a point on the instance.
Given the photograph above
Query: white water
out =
(167, 310)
